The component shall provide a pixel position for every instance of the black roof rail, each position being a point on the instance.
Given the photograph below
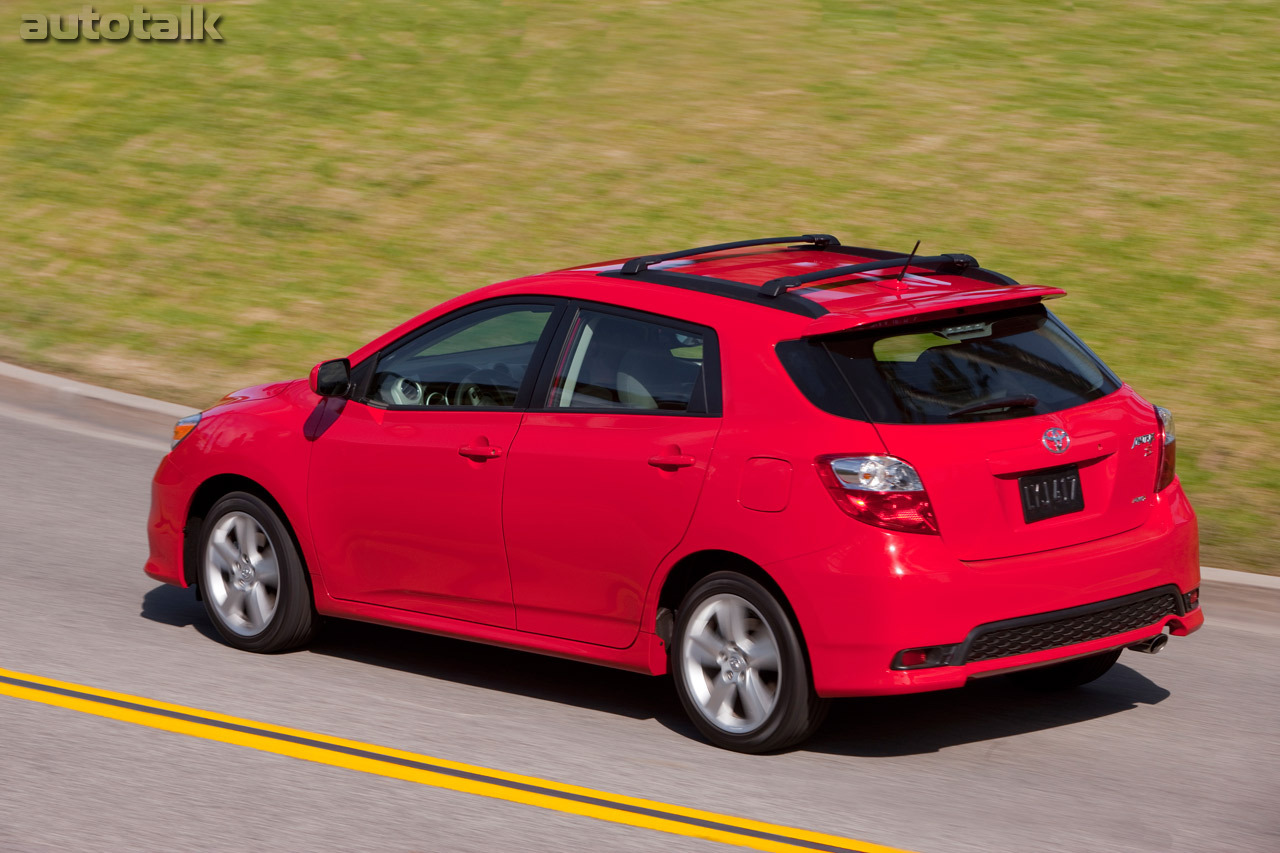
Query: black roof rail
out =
(864, 252)
(789, 302)
(636, 265)
(944, 264)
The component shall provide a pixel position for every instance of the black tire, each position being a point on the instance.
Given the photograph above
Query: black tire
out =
(280, 615)
(744, 720)
(1068, 674)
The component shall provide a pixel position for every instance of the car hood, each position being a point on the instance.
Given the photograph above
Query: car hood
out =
(256, 392)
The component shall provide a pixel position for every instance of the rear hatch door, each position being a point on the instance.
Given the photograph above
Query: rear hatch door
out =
(1024, 440)
(993, 484)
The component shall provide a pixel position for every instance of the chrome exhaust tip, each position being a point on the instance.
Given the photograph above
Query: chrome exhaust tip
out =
(1151, 645)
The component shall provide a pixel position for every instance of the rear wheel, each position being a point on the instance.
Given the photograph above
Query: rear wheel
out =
(251, 578)
(1068, 674)
(739, 668)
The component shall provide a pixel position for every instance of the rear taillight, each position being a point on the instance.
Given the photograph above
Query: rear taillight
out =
(1167, 446)
(879, 490)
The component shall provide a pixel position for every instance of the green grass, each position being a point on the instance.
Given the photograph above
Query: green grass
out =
(180, 219)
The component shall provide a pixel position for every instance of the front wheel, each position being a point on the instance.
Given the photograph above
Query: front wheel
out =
(251, 578)
(739, 668)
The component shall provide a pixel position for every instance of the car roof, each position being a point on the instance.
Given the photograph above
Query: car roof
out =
(747, 271)
(839, 287)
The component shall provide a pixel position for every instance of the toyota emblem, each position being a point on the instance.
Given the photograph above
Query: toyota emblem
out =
(1056, 440)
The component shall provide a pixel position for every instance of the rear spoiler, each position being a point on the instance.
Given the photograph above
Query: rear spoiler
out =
(921, 310)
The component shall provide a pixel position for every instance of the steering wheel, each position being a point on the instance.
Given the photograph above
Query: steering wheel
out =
(399, 390)
(484, 387)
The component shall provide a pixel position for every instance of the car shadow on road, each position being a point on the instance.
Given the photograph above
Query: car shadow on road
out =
(525, 673)
(878, 727)
(172, 605)
(914, 724)
(550, 679)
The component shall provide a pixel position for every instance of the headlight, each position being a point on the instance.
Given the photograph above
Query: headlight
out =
(183, 428)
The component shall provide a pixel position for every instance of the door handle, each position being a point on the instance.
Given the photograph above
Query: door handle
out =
(479, 452)
(671, 460)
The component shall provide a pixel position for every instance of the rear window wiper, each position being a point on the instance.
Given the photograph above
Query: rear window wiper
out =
(1025, 401)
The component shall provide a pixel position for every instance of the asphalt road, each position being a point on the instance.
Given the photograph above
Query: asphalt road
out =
(1168, 753)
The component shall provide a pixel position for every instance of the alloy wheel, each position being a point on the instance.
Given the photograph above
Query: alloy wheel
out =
(731, 664)
(242, 574)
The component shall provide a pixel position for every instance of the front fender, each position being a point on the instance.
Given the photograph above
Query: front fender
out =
(260, 438)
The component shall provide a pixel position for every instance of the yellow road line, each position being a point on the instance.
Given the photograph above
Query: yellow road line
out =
(424, 769)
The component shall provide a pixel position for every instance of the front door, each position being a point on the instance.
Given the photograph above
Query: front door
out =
(405, 486)
(604, 476)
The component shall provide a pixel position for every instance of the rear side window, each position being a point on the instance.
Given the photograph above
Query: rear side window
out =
(621, 362)
(962, 370)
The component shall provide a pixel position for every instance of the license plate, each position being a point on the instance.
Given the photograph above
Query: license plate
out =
(1051, 494)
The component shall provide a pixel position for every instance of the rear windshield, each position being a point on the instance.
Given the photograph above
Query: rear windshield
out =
(960, 370)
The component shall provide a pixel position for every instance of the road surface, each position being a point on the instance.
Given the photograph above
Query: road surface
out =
(1175, 752)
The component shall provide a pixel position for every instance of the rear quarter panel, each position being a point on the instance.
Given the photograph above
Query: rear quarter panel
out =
(768, 418)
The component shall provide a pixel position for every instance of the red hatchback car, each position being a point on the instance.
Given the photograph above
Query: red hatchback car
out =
(782, 470)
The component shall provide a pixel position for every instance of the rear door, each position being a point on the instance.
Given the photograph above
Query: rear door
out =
(602, 481)
(1023, 439)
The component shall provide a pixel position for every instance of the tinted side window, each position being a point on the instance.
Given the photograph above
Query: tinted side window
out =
(477, 359)
(617, 362)
(816, 375)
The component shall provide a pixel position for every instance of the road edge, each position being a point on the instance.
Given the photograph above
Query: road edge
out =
(52, 382)
(1235, 576)
(146, 404)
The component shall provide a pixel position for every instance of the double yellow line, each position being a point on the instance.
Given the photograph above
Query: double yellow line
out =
(423, 769)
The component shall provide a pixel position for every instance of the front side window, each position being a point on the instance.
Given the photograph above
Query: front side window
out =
(617, 362)
(477, 359)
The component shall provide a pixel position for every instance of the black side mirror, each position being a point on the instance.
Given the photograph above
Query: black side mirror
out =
(331, 378)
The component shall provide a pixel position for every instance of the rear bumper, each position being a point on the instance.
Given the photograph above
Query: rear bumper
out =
(858, 609)
(947, 677)
(992, 649)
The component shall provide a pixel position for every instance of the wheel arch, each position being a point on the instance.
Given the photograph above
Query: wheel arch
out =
(691, 568)
(209, 493)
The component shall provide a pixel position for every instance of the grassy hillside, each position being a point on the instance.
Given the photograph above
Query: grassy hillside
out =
(179, 219)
